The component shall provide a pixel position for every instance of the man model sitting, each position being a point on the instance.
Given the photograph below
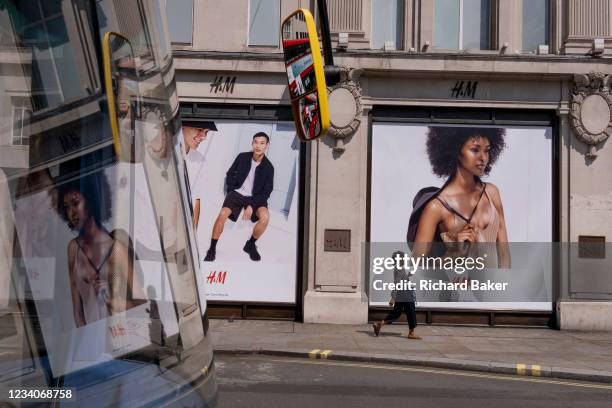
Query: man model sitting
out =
(250, 181)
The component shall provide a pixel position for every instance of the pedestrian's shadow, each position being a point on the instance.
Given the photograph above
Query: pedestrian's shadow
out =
(382, 333)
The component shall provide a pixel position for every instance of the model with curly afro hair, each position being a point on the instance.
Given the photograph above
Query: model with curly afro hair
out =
(445, 143)
(465, 208)
(99, 264)
(95, 191)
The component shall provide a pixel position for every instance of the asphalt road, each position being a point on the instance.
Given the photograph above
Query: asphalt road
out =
(266, 381)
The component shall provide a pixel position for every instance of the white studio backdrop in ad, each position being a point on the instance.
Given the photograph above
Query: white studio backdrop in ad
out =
(233, 276)
(523, 175)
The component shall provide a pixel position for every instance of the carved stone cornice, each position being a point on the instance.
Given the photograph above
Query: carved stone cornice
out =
(591, 109)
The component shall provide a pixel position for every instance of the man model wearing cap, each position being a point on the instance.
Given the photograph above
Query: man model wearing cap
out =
(250, 181)
(192, 134)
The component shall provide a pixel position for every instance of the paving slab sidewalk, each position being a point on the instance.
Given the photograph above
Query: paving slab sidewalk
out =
(524, 351)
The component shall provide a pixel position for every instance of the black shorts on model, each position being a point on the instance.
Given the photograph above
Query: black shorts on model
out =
(236, 202)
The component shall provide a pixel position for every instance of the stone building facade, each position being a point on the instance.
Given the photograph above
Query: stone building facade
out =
(510, 62)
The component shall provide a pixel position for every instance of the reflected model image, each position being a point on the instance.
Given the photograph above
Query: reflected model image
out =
(465, 209)
(250, 181)
(99, 263)
(191, 135)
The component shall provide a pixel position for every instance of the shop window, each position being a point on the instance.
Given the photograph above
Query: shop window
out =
(21, 117)
(180, 20)
(264, 22)
(462, 24)
(536, 24)
(387, 23)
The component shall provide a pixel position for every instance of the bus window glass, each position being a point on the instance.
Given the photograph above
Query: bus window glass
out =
(99, 249)
(42, 34)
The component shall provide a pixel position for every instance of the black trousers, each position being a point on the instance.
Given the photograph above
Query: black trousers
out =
(398, 308)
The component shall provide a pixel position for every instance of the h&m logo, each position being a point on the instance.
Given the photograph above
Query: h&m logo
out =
(464, 89)
(216, 277)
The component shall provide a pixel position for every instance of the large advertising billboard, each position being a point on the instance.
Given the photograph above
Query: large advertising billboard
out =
(245, 176)
(487, 186)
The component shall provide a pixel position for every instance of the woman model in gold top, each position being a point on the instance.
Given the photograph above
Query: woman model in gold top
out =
(100, 263)
(466, 209)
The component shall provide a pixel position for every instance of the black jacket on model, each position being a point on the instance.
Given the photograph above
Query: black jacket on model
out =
(264, 178)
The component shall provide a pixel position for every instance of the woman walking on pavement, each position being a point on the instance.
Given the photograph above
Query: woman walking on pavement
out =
(402, 301)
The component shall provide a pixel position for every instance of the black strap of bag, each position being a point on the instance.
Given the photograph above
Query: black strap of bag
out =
(451, 209)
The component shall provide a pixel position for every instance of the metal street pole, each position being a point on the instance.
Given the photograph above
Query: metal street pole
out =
(325, 35)
(332, 73)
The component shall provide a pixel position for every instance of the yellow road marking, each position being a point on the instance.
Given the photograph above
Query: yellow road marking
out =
(520, 369)
(535, 370)
(324, 354)
(448, 372)
(313, 353)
